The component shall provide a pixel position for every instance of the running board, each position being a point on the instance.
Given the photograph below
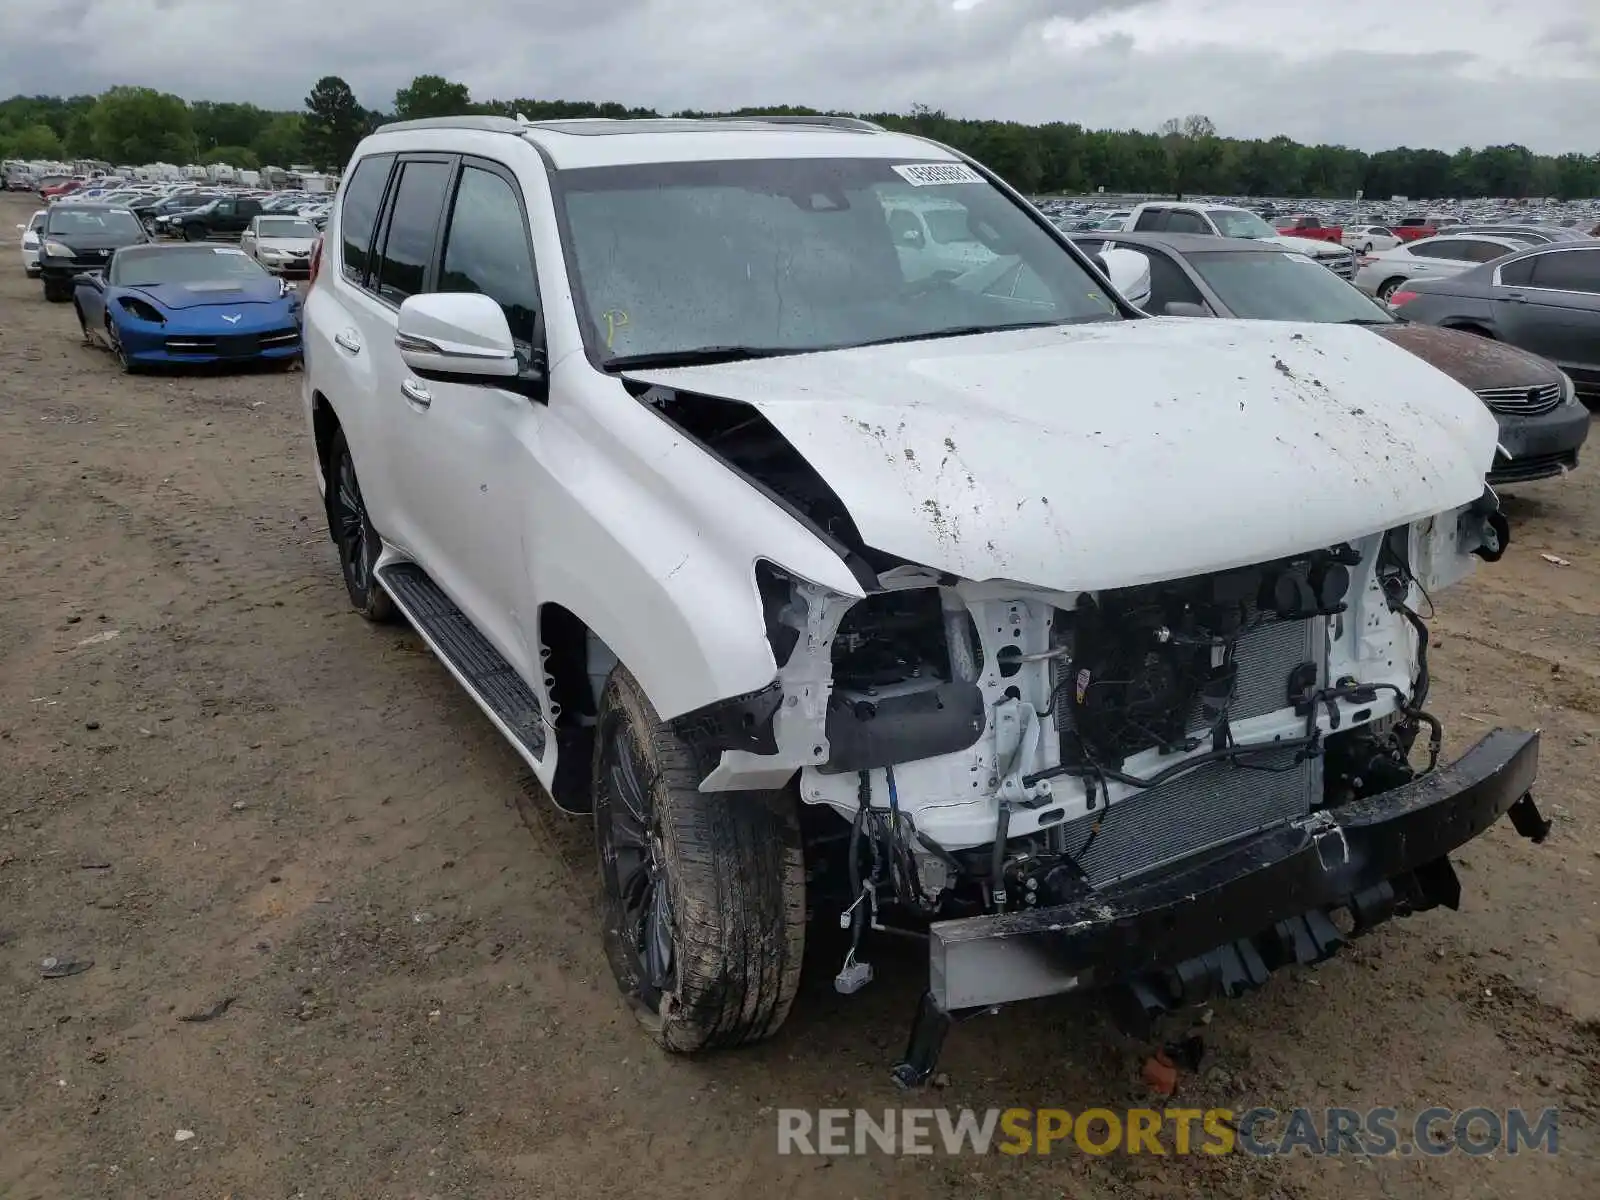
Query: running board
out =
(489, 679)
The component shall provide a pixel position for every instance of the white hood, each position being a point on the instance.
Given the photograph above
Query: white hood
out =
(1107, 455)
(1308, 246)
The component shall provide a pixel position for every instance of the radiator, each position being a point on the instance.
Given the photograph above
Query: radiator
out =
(1219, 802)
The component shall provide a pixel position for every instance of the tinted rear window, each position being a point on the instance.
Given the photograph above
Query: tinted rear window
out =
(1568, 270)
(358, 216)
(413, 222)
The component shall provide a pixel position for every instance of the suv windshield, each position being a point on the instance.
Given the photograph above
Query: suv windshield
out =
(94, 222)
(1238, 223)
(154, 265)
(779, 256)
(1284, 287)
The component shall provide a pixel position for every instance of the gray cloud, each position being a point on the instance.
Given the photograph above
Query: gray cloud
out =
(1103, 63)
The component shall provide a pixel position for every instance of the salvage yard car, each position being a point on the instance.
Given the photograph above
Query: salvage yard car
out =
(1086, 645)
(1224, 221)
(282, 245)
(169, 305)
(1545, 299)
(82, 237)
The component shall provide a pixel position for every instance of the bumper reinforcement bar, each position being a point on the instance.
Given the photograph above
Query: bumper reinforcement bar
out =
(1225, 921)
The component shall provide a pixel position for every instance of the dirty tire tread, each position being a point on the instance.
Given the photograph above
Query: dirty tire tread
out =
(738, 892)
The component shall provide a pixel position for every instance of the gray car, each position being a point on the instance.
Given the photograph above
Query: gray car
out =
(1534, 235)
(1542, 427)
(1545, 299)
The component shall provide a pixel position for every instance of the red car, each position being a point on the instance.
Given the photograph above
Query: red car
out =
(1306, 226)
(56, 190)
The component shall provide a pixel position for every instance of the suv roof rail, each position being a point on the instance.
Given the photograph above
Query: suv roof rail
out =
(856, 124)
(486, 124)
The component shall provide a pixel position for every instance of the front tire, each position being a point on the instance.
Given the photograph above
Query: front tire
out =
(357, 541)
(192, 233)
(57, 291)
(118, 350)
(702, 893)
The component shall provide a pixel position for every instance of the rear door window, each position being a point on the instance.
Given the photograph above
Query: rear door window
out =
(1568, 271)
(358, 215)
(412, 229)
(1151, 218)
(1446, 250)
(1519, 273)
(1481, 252)
(1179, 221)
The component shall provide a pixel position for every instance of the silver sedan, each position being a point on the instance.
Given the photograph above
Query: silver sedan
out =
(1438, 257)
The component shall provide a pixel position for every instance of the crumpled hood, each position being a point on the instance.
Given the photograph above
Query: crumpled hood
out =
(1119, 453)
(195, 295)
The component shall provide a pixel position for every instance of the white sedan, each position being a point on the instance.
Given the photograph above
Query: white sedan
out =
(30, 242)
(1438, 257)
(1364, 239)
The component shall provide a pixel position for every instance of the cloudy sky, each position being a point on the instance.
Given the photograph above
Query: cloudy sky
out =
(1367, 73)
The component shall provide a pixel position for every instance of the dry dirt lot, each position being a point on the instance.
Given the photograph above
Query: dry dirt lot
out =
(219, 784)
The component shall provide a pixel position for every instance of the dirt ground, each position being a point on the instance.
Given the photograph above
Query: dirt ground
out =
(221, 785)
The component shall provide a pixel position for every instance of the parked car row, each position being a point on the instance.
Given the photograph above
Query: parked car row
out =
(164, 304)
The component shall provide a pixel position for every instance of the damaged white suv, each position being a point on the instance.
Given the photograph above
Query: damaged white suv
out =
(931, 587)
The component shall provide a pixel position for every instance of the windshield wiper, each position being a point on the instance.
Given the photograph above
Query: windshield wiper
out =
(697, 356)
(963, 331)
(1368, 321)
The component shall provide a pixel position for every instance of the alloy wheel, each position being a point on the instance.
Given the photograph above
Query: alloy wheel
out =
(633, 867)
(350, 526)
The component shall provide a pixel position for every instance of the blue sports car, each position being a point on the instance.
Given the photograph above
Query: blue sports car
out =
(156, 305)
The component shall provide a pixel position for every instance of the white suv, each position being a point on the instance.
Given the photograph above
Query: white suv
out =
(970, 601)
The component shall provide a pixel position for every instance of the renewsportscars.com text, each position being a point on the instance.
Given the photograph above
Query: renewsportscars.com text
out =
(1259, 1132)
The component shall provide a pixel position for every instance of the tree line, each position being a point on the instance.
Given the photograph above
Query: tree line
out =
(135, 125)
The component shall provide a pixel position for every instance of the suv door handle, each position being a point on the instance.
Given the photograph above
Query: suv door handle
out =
(346, 339)
(415, 393)
(1518, 297)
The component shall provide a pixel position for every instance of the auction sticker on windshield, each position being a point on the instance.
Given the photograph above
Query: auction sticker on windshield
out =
(931, 174)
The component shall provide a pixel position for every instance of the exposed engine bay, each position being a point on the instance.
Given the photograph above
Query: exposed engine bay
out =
(993, 748)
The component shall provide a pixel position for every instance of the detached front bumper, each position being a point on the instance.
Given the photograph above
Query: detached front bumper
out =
(1223, 923)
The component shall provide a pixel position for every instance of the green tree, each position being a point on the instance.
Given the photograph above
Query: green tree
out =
(1191, 146)
(140, 125)
(283, 141)
(233, 156)
(333, 124)
(226, 124)
(32, 142)
(431, 96)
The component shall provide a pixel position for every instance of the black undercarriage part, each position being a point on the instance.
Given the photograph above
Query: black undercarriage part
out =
(899, 693)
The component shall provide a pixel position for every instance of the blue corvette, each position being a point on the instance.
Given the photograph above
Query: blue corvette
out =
(158, 305)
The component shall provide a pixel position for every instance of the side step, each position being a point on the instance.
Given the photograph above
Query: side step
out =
(476, 664)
